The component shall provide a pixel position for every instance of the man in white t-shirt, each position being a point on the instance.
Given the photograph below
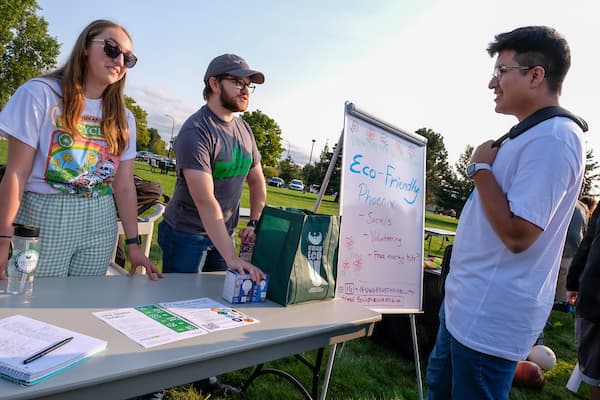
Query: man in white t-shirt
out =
(509, 240)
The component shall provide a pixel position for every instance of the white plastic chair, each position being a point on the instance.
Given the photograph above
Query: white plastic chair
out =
(153, 164)
(145, 230)
(244, 214)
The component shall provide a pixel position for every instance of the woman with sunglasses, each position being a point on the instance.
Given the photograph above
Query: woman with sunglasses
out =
(71, 145)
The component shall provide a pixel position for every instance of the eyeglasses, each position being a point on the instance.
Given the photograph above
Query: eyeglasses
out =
(112, 50)
(500, 70)
(241, 84)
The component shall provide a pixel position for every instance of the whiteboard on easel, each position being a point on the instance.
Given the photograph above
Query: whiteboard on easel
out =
(382, 200)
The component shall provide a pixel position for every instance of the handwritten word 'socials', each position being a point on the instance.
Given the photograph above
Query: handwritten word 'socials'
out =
(388, 176)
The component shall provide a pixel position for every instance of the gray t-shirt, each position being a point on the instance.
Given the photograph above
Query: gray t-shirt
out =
(226, 150)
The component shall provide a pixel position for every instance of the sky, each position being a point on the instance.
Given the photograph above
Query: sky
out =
(413, 64)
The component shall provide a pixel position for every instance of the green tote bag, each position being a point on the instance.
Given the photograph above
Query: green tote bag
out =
(298, 249)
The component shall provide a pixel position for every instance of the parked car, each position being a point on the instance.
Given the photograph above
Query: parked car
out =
(143, 155)
(314, 188)
(448, 212)
(276, 181)
(296, 184)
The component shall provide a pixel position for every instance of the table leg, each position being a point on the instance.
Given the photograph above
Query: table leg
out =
(316, 370)
(327, 376)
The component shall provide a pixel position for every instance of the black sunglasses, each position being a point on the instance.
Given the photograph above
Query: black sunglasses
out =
(112, 50)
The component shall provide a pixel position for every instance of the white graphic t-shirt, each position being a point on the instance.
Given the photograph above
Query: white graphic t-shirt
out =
(78, 165)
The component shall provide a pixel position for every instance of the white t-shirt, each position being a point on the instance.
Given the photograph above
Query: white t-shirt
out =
(62, 163)
(497, 302)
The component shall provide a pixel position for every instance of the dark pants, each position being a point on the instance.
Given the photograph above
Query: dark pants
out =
(188, 253)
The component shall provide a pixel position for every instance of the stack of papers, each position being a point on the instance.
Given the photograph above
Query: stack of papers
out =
(22, 337)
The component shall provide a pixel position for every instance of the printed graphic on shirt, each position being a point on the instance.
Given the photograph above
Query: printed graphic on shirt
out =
(239, 165)
(81, 165)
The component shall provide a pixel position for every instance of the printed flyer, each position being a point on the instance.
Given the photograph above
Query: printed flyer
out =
(157, 324)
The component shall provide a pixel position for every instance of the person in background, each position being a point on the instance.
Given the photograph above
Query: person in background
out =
(583, 282)
(71, 145)
(591, 203)
(506, 254)
(575, 233)
(216, 153)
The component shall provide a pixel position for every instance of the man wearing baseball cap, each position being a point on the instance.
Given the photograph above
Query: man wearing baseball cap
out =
(216, 153)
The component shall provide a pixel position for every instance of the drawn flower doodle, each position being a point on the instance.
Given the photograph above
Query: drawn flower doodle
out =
(371, 135)
(348, 243)
(358, 263)
(384, 142)
(399, 147)
(346, 264)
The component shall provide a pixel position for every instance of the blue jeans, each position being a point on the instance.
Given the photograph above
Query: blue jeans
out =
(186, 252)
(458, 372)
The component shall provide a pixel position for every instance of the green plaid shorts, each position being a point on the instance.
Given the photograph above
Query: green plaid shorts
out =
(77, 234)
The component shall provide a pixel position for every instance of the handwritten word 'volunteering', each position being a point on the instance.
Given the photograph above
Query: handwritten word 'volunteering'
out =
(391, 181)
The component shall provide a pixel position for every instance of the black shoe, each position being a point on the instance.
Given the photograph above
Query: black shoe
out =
(214, 387)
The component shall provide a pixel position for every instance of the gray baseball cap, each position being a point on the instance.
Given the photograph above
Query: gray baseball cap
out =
(232, 65)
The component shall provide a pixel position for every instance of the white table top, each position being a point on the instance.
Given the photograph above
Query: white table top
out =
(439, 232)
(126, 369)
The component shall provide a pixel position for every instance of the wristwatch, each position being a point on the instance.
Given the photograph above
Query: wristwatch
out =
(474, 167)
(134, 240)
(252, 223)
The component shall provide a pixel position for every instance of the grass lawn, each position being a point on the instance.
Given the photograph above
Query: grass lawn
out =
(366, 370)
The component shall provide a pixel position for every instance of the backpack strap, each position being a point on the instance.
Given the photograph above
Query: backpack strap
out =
(537, 117)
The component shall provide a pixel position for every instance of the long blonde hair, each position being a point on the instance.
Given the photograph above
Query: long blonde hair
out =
(72, 77)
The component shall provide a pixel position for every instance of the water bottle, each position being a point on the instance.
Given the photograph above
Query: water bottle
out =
(23, 260)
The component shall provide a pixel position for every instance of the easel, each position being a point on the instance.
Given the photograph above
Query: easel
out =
(413, 325)
(411, 312)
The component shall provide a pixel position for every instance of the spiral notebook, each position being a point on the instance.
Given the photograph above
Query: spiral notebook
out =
(22, 337)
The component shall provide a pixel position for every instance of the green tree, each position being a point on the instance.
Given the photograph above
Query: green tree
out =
(436, 164)
(142, 138)
(591, 174)
(26, 48)
(319, 170)
(156, 144)
(289, 170)
(270, 172)
(463, 162)
(310, 174)
(267, 134)
(456, 186)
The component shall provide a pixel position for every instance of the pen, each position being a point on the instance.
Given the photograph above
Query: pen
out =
(47, 350)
